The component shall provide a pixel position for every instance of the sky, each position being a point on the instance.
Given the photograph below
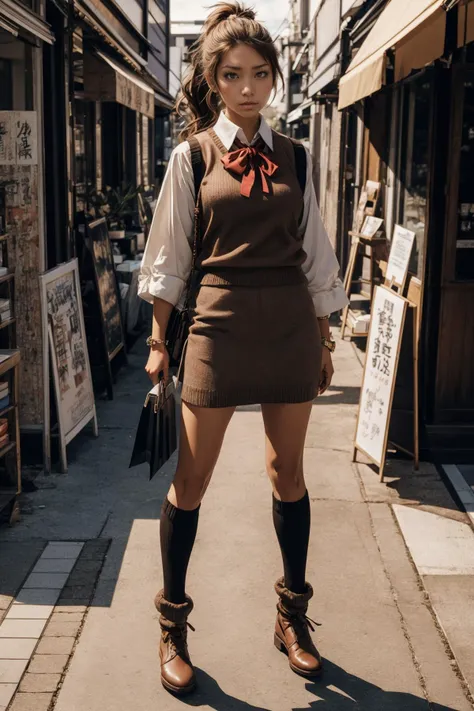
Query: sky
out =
(271, 12)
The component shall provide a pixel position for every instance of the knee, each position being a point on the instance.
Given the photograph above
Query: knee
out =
(287, 479)
(189, 488)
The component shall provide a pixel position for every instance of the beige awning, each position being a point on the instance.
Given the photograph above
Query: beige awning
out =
(414, 29)
(465, 24)
(107, 80)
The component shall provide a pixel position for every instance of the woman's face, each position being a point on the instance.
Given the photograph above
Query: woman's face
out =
(244, 81)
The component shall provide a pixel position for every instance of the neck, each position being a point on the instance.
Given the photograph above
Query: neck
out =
(249, 126)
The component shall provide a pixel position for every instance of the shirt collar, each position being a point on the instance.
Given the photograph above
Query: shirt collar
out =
(228, 132)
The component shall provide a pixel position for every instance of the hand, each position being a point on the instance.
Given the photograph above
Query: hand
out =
(327, 370)
(158, 361)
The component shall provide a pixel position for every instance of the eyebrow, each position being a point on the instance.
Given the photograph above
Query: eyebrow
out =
(259, 66)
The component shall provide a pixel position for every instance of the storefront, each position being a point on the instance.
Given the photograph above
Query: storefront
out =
(23, 32)
(412, 108)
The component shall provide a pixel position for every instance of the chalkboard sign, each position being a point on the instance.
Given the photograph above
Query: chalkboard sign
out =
(380, 371)
(63, 325)
(106, 282)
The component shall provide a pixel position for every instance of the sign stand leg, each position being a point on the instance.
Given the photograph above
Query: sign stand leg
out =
(416, 424)
(95, 427)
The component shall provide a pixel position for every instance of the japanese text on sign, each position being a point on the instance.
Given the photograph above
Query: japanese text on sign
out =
(388, 313)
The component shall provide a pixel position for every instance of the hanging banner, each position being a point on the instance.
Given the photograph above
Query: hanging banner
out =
(18, 138)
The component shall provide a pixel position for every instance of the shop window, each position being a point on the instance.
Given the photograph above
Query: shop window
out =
(414, 159)
(16, 74)
(464, 267)
(84, 150)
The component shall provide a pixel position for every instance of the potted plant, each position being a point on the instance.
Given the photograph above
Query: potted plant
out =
(117, 205)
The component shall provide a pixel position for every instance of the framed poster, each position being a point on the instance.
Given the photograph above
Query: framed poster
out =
(371, 226)
(107, 289)
(380, 371)
(399, 259)
(63, 330)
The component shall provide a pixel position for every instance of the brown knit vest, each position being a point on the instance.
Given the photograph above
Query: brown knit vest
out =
(250, 241)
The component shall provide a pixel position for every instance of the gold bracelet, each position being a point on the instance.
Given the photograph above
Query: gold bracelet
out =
(150, 341)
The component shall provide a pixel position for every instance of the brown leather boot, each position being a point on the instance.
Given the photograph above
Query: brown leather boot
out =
(177, 672)
(291, 631)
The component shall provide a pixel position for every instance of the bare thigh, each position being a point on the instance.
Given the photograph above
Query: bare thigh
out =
(201, 437)
(285, 433)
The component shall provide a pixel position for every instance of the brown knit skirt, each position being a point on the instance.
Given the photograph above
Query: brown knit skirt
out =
(252, 345)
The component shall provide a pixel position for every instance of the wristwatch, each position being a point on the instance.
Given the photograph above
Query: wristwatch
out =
(150, 341)
(329, 343)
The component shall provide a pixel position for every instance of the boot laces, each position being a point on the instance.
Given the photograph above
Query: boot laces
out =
(301, 622)
(177, 637)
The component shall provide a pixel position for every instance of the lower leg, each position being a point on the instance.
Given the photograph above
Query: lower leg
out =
(177, 535)
(292, 522)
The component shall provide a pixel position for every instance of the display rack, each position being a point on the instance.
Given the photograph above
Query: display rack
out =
(361, 288)
(7, 292)
(10, 456)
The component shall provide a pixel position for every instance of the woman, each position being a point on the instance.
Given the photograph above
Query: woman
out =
(260, 332)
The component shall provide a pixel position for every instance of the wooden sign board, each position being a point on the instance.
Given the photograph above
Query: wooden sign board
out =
(380, 371)
(106, 282)
(399, 259)
(63, 329)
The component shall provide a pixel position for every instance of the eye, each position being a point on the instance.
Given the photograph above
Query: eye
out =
(230, 75)
(263, 74)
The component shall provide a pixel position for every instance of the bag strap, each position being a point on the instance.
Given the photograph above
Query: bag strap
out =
(198, 171)
(300, 160)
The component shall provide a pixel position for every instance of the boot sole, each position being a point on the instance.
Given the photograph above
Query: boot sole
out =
(178, 690)
(308, 675)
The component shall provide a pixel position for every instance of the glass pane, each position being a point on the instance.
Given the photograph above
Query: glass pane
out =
(414, 178)
(465, 226)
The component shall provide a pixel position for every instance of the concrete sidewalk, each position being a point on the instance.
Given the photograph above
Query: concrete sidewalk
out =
(379, 635)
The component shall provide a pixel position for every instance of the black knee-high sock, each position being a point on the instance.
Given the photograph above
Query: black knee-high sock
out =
(177, 534)
(292, 523)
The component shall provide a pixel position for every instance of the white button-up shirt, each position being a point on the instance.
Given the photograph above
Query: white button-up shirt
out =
(168, 254)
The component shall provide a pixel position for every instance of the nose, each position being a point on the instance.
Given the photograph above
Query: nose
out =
(247, 91)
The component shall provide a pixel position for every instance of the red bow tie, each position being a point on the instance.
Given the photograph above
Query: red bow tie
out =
(245, 161)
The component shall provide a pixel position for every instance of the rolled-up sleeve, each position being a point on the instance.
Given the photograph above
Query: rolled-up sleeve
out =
(321, 266)
(167, 259)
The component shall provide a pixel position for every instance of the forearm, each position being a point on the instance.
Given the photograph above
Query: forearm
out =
(324, 327)
(161, 314)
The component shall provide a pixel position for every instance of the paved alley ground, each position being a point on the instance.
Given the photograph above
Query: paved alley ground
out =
(384, 647)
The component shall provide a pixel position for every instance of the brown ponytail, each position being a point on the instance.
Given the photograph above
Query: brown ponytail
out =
(228, 25)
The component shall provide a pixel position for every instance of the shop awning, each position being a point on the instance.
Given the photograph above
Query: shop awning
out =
(164, 100)
(14, 17)
(107, 80)
(465, 23)
(414, 29)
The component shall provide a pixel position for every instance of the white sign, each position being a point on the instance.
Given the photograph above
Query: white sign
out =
(383, 349)
(371, 226)
(18, 138)
(64, 321)
(400, 252)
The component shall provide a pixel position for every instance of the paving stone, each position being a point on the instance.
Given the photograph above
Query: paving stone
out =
(17, 648)
(11, 670)
(69, 550)
(46, 580)
(40, 683)
(78, 592)
(38, 596)
(29, 612)
(54, 565)
(89, 566)
(67, 617)
(95, 549)
(48, 663)
(27, 629)
(5, 601)
(62, 629)
(31, 702)
(70, 609)
(84, 578)
(55, 645)
(6, 693)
